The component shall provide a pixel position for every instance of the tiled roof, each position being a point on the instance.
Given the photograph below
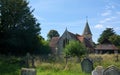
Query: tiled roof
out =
(80, 38)
(106, 47)
(54, 41)
(84, 40)
(72, 35)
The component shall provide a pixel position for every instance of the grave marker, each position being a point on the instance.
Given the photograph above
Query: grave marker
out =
(27, 60)
(28, 71)
(87, 65)
(98, 71)
(33, 62)
(111, 70)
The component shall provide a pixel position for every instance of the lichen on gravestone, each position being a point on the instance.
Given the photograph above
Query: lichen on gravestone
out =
(112, 70)
(98, 71)
(87, 65)
(28, 71)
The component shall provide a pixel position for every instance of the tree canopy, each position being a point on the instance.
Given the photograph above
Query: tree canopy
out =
(52, 33)
(115, 39)
(75, 48)
(106, 34)
(19, 29)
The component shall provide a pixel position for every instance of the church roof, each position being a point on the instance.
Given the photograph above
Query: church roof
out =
(85, 41)
(72, 35)
(80, 37)
(53, 41)
(87, 29)
(106, 45)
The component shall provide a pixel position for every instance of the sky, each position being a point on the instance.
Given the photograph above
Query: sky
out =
(72, 14)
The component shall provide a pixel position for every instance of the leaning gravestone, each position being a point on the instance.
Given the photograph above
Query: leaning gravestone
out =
(111, 70)
(28, 71)
(87, 65)
(98, 71)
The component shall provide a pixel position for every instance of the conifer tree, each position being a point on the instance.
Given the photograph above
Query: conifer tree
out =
(19, 29)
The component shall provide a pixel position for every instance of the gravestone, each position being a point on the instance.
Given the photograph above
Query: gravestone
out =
(111, 70)
(98, 71)
(87, 65)
(27, 60)
(28, 71)
(33, 62)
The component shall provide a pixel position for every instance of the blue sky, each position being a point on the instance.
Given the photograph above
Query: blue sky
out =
(59, 14)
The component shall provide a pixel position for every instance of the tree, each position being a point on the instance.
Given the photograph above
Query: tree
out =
(75, 48)
(45, 50)
(52, 33)
(106, 34)
(19, 29)
(115, 39)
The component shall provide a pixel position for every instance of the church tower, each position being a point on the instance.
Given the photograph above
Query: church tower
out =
(87, 32)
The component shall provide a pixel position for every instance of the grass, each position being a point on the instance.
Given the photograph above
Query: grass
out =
(58, 69)
(11, 66)
(8, 66)
(107, 60)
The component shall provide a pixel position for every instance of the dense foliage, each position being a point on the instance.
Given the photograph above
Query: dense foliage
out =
(75, 48)
(115, 39)
(110, 34)
(19, 30)
(106, 34)
(52, 33)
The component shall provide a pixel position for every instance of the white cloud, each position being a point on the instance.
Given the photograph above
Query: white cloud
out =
(106, 13)
(110, 6)
(99, 26)
(107, 19)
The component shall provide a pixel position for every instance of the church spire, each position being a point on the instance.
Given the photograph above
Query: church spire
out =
(66, 29)
(87, 32)
(87, 29)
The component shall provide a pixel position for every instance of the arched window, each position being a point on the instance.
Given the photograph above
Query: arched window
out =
(65, 42)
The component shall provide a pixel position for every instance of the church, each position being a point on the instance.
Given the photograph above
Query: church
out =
(57, 44)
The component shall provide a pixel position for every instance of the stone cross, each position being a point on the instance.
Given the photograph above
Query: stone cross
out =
(33, 62)
(98, 71)
(66, 58)
(27, 60)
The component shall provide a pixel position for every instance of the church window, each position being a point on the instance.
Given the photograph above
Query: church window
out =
(65, 42)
